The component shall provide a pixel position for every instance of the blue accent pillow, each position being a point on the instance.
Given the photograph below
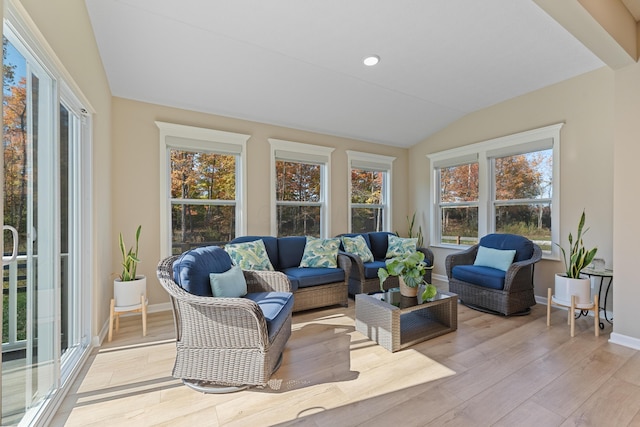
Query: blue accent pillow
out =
(494, 258)
(230, 284)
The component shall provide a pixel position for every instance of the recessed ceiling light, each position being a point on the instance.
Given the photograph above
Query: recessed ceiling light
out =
(371, 60)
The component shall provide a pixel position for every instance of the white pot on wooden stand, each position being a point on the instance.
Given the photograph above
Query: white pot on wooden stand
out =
(566, 287)
(128, 297)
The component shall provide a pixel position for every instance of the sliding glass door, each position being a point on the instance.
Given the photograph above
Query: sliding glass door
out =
(43, 302)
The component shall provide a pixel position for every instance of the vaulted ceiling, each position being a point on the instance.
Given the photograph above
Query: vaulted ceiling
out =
(298, 63)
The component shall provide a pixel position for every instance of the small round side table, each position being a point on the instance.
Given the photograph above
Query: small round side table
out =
(602, 274)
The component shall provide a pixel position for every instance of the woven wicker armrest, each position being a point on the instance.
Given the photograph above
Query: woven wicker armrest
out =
(466, 257)
(345, 262)
(266, 281)
(518, 276)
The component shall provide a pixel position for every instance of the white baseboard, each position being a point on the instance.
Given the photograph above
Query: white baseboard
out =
(624, 340)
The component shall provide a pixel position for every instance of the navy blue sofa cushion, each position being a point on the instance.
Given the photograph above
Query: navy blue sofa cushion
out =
(379, 243)
(371, 268)
(522, 245)
(270, 244)
(310, 276)
(275, 306)
(479, 275)
(191, 270)
(290, 251)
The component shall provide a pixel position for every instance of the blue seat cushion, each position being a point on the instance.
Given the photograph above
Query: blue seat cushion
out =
(371, 268)
(191, 270)
(275, 306)
(479, 275)
(310, 276)
(503, 241)
(270, 244)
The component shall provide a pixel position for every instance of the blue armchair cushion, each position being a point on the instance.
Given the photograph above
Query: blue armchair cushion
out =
(479, 275)
(379, 243)
(290, 250)
(275, 306)
(230, 284)
(191, 270)
(522, 245)
(499, 259)
(371, 268)
(305, 277)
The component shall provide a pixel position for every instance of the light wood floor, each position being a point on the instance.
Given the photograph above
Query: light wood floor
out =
(492, 371)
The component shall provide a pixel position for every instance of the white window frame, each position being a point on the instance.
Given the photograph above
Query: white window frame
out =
(303, 153)
(175, 136)
(485, 151)
(372, 162)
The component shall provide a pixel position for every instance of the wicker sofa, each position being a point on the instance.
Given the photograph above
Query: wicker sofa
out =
(364, 276)
(312, 287)
(225, 344)
(506, 292)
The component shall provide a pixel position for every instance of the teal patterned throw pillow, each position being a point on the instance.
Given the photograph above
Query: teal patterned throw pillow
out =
(357, 246)
(399, 246)
(249, 255)
(320, 253)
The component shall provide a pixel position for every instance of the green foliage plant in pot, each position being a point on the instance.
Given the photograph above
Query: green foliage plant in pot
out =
(129, 287)
(410, 271)
(571, 282)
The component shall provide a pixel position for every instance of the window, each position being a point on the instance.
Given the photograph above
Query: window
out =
(369, 200)
(504, 185)
(458, 203)
(202, 186)
(300, 182)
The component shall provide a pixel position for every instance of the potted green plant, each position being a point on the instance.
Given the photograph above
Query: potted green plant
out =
(571, 282)
(410, 272)
(129, 287)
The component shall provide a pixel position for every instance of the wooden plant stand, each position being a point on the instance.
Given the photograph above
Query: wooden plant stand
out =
(115, 312)
(571, 318)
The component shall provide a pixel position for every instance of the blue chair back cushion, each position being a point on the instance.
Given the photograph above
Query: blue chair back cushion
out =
(191, 270)
(479, 275)
(522, 245)
(270, 244)
(290, 251)
(379, 243)
(275, 306)
(311, 276)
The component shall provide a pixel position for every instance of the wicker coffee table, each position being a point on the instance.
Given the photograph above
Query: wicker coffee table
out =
(395, 321)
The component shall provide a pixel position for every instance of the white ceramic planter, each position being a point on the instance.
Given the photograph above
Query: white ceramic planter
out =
(127, 294)
(566, 287)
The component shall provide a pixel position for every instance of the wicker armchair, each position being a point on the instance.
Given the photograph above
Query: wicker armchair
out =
(515, 296)
(363, 278)
(225, 344)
